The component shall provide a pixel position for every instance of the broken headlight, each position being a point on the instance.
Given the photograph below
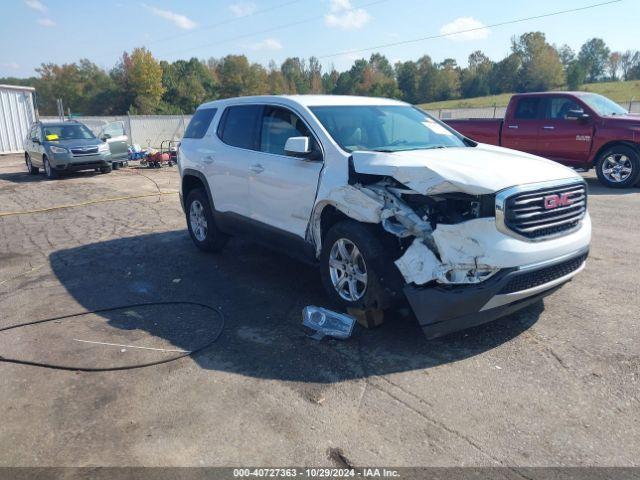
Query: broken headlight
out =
(451, 208)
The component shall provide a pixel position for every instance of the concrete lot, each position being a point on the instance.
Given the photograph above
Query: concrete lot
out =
(557, 384)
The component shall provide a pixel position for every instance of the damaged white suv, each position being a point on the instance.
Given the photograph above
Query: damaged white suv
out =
(391, 204)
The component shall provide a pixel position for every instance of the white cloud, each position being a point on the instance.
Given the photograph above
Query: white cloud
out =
(344, 16)
(36, 5)
(242, 9)
(46, 22)
(267, 44)
(471, 29)
(10, 65)
(180, 21)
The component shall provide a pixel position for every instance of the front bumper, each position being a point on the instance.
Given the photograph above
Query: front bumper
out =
(444, 309)
(70, 163)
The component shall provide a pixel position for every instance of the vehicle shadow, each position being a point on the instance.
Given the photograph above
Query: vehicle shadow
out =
(24, 177)
(262, 295)
(597, 189)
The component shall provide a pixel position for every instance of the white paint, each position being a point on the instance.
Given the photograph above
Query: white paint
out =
(419, 265)
(131, 346)
(475, 171)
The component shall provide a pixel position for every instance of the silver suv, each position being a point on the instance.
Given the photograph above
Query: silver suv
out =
(64, 147)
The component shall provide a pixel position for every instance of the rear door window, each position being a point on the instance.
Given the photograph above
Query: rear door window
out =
(527, 108)
(200, 122)
(239, 126)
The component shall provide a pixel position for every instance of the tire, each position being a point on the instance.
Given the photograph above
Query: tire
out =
(115, 166)
(30, 168)
(618, 167)
(381, 285)
(51, 173)
(106, 169)
(201, 224)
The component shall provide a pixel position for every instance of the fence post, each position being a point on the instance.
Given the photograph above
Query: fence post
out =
(631, 104)
(440, 114)
(495, 106)
(130, 129)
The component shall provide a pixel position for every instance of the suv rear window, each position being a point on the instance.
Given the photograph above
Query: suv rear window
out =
(200, 122)
(239, 125)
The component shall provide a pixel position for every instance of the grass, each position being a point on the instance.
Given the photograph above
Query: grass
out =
(621, 92)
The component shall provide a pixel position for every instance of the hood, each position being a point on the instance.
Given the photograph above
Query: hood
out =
(84, 142)
(473, 170)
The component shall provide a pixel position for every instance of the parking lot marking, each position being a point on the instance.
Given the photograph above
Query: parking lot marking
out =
(82, 204)
(132, 346)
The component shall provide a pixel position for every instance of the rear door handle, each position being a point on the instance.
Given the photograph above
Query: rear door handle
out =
(514, 127)
(257, 168)
(549, 127)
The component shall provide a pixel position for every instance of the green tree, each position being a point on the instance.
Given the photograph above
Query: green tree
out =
(541, 67)
(593, 56)
(476, 78)
(576, 75)
(407, 78)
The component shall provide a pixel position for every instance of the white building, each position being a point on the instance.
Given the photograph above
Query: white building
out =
(17, 113)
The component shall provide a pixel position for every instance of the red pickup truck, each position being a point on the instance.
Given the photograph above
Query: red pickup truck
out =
(577, 129)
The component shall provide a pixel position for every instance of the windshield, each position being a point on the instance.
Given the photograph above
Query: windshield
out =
(73, 131)
(389, 128)
(602, 105)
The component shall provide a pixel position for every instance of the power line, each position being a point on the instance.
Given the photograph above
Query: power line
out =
(218, 24)
(268, 30)
(442, 35)
(226, 22)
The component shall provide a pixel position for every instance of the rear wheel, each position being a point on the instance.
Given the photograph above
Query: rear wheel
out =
(49, 171)
(618, 167)
(201, 224)
(30, 168)
(106, 169)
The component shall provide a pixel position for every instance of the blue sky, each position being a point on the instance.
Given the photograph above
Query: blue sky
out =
(62, 31)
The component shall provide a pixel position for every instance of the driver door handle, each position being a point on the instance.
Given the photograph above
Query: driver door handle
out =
(257, 168)
(549, 127)
(513, 127)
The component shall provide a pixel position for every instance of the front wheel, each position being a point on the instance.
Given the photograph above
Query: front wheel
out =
(357, 267)
(618, 167)
(49, 171)
(201, 224)
(106, 169)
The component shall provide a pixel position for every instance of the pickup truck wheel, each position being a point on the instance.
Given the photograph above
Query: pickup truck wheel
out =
(618, 167)
(356, 267)
(30, 168)
(201, 224)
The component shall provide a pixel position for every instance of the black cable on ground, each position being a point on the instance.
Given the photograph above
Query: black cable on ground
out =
(111, 309)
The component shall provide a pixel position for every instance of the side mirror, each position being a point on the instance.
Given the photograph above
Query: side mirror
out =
(584, 118)
(35, 139)
(105, 137)
(575, 114)
(297, 146)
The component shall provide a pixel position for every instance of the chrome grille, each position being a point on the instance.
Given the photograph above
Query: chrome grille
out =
(81, 151)
(543, 212)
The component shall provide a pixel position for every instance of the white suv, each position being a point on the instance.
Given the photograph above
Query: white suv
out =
(390, 202)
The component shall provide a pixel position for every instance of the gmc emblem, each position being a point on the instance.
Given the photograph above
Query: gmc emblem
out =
(555, 201)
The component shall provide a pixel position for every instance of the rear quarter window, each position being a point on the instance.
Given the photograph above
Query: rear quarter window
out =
(200, 122)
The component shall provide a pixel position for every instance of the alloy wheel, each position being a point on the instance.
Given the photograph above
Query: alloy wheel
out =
(617, 168)
(347, 270)
(198, 220)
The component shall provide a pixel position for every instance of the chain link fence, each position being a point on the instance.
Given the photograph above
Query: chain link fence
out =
(499, 112)
(151, 130)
